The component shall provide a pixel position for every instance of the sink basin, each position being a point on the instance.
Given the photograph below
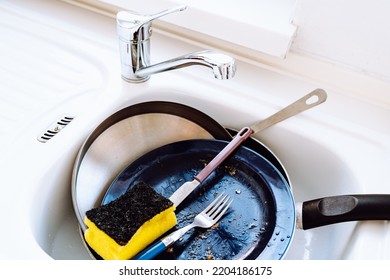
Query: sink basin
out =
(57, 232)
(325, 150)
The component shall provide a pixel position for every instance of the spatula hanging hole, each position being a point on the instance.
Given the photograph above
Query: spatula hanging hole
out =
(54, 129)
(316, 97)
(312, 100)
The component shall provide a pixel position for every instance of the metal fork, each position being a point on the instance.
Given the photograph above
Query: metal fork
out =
(205, 219)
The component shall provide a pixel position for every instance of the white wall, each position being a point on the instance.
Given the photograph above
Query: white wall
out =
(355, 33)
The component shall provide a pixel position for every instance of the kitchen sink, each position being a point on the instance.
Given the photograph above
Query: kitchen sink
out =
(329, 150)
(56, 231)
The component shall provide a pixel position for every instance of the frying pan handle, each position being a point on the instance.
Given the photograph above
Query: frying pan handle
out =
(240, 137)
(337, 209)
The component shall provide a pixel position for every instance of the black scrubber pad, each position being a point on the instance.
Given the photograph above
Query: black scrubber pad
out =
(121, 218)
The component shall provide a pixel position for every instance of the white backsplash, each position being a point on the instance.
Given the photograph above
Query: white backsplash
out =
(352, 33)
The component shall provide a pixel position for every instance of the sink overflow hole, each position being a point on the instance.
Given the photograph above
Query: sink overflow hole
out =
(54, 129)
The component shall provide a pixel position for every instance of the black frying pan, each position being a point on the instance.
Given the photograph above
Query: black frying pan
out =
(262, 219)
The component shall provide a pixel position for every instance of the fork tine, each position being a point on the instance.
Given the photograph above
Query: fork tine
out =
(221, 208)
(218, 205)
(223, 211)
(212, 203)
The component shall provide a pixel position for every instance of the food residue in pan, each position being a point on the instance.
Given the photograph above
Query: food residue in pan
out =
(231, 170)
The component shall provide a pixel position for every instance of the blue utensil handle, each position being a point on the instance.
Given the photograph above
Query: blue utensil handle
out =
(150, 252)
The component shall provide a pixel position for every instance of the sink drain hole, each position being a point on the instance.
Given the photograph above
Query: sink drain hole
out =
(54, 129)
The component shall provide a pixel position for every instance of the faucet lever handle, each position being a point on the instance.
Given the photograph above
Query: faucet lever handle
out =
(165, 12)
(133, 22)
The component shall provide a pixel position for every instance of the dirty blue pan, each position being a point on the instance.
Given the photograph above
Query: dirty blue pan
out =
(260, 222)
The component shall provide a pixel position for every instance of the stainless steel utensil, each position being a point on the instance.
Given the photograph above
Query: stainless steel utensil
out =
(310, 100)
(205, 219)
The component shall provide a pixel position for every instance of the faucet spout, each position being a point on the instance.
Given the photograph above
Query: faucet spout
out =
(223, 66)
(134, 33)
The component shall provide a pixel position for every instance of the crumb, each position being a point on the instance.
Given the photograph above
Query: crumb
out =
(209, 254)
(170, 250)
(231, 170)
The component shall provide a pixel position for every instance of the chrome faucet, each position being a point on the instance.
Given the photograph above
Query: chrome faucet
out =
(134, 33)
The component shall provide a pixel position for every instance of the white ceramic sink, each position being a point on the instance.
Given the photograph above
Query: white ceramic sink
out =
(71, 68)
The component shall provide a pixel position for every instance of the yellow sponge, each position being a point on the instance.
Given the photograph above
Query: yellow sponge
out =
(124, 227)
